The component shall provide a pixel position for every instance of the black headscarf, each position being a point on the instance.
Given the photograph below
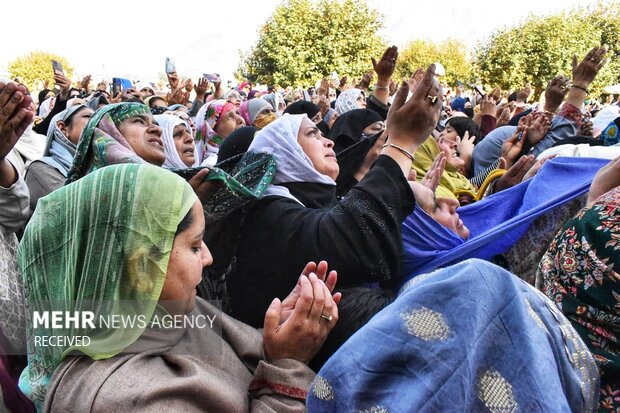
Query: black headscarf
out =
(350, 160)
(42, 95)
(347, 129)
(302, 106)
(236, 143)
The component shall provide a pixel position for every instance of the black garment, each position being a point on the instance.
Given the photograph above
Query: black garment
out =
(323, 128)
(347, 129)
(359, 236)
(302, 106)
(349, 161)
(42, 127)
(382, 109)
(236, 143)
(514, 121)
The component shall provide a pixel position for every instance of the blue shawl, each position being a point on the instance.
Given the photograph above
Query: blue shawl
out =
(496, 222)
(59, 151)
(512, 351)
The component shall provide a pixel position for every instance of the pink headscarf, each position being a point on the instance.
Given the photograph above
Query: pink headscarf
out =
(207, 140)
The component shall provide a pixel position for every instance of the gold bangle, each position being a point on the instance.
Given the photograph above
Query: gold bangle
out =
(403, 150)
(381, 87)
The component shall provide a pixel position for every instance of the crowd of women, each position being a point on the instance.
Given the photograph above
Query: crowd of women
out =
(402, 249)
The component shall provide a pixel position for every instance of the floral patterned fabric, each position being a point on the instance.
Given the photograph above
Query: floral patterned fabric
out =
(579, 273)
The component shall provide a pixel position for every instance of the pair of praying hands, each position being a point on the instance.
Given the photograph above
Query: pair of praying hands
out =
(297, 327)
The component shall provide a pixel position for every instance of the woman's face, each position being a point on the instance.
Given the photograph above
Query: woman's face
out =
(230, 122)
(318, 148)
(184, 144)
(442, 210)
(144, 137)
(448, 143)
(375, 128)
(76, 125)
(361, 101)
(188, 257)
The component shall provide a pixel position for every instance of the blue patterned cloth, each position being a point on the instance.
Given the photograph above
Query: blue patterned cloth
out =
(468, 338)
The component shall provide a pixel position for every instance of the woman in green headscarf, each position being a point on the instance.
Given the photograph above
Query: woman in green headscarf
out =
(111, 245)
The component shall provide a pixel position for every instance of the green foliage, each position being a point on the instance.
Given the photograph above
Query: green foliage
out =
(451, 53)
(37, 66)
(305, 40)
(541, 48)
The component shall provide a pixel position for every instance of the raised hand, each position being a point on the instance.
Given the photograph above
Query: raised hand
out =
(85, 84)
(514, 175)
(413, 121)
(513, 146)
(433, 175)
(504, 117)
(303, 333)
(288, 304)
(555, 93)
(487, 106)
(585, 72)
(415, 79)
(537, 129)
(201, 88)
(16, 113)
(365, 81)
(385, 67)
(173, 81)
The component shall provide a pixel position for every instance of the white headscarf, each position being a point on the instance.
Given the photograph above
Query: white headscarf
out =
(347, 100)
(173, 159)
(46, 106)
(279, 138)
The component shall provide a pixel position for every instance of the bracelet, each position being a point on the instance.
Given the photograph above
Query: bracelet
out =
(403, 150)
(580, 88)
(381, 87)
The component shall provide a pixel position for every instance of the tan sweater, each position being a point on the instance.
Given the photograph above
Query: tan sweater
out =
(200, 372)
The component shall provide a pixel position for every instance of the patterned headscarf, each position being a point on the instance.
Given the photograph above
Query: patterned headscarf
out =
(348, 100)
(101, 244)
(579, 273)
(207, 140)
(102, 144)
(167, 124)
(610, 135)
(279, 139)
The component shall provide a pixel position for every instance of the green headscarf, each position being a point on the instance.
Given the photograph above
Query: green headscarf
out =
(92, 244)
(101, 143)
(451, 180)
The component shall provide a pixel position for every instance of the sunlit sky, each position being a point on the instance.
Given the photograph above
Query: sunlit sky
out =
(132, 38)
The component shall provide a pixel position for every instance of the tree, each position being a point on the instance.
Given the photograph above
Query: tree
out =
(451, 53)
(305, 40)
(540, 48)
(37, 66)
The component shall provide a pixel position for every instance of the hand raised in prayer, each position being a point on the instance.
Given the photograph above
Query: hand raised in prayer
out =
(537, 129)
(504, 117)
(585, 72)
(487, 106)
(201, 88)
(496, 94)
(305, 330)
(85, 83)
(606, 179)
(173, 81)
(556, 92)
(189, 85)
(385, 67)
(514, 175)
(288, 304)
(513, 146)
(433, 175)
(415, 79)
(537, 165)
(343, 82)
(524, 94)
(102, 86)
(412, 122)
(16, 114)
(365, 81)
